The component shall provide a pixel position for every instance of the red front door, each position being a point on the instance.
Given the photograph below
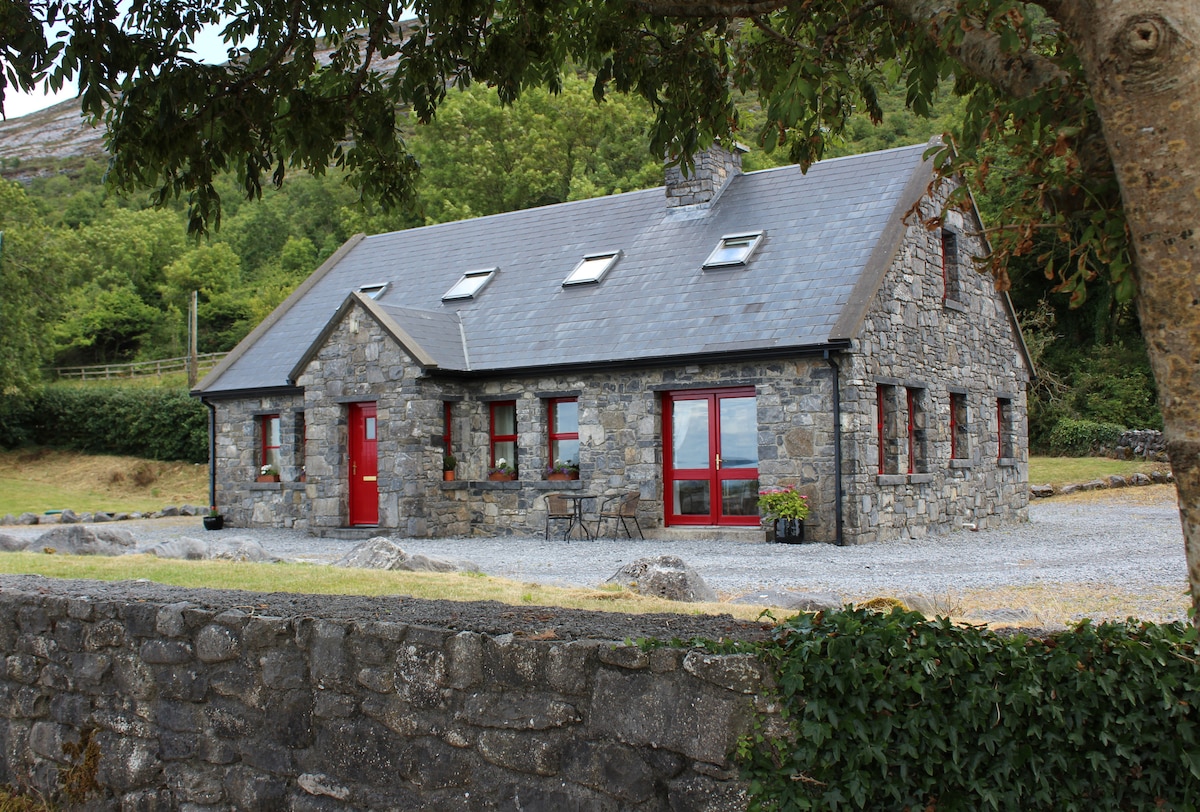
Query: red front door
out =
(364, 467)
(710, 455)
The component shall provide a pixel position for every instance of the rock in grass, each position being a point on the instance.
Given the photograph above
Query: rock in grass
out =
(381, 553)
(12, 544)
(665, 576)
(76, 539)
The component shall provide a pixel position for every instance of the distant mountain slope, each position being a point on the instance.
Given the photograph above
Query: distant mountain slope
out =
(54, 133)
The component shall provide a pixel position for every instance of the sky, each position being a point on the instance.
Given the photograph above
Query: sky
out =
(208, 47)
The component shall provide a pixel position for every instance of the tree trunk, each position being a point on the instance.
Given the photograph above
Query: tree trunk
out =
(1142, 59)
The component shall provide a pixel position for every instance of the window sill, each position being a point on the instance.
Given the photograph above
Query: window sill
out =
(1008, 462)
(960, 463)
(952, 304)
(891, 479)
(266, 486)
(920, 479)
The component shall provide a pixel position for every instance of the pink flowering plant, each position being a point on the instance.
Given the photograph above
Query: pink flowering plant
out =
(782, 503)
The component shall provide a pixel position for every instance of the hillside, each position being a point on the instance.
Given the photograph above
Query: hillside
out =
(54, 134)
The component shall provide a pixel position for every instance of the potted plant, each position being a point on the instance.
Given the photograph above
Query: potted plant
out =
(562, 469)
(502, 471)
(214, 520)
(449, 463)
(268, 473)
(784, 510)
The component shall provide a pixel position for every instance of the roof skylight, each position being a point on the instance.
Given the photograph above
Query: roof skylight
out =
(734, 249)
(592, 269)
(469, 285)
(374, 291)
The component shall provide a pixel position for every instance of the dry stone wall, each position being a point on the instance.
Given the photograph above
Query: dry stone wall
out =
(204, 706)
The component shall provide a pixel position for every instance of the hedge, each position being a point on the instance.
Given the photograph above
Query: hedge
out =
(895, 712)
(152, 423)
(1079, 438)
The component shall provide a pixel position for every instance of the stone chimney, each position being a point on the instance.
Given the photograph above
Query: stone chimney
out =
(714, 167)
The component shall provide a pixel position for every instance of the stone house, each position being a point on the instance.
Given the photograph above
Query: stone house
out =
(735, 332)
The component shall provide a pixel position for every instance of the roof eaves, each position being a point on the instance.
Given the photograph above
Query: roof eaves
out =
(278, 313)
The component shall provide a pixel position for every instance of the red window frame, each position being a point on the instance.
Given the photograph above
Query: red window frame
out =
(558, 436)
(880, 417)
(911, 405)
(958, 403)
(1004, 429)
(494, 438)
(447, 427)
(265, 448)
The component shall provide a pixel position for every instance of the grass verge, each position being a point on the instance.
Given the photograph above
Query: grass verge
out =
(320, 579)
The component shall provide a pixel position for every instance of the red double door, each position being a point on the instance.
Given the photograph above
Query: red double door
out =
(363, 464)
(710, 451)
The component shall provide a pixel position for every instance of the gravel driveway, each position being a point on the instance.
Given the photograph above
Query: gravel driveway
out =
(1123, 543)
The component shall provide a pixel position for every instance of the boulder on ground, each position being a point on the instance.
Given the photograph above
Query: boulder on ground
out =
(183, 548)
(1140, 479)
(802, 601)
(665, 576)
(1117, 481)
(8, 518)
(69, 516)
(27, 518)
(1041, 491)
(12, 544)
(76, 539)
(381, 553)
(232, 548)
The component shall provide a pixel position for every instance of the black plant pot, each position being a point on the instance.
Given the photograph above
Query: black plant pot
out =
(214, 522)
(789, 531)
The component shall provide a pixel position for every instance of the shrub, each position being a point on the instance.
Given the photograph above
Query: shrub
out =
(891, 711)
(153, 423)
(1079, 438)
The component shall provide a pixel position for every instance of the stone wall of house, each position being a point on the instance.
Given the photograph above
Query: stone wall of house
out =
(180, 706)
(243, 501)
(914, 339)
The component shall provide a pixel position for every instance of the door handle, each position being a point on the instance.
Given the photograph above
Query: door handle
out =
(718, 462)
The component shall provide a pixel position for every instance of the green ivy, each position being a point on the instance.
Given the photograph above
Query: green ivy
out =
(151, 423)
(895, 712)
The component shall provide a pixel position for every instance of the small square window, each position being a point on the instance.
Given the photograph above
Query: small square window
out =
(470, 284)
(591, 269)
(374, 291)
(734, 249)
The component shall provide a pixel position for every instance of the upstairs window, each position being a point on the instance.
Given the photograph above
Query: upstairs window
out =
(563, 420)
(592, 269)
(733, 250)
(469, 285)
(374, 291)
(951, 267)
(269, 441)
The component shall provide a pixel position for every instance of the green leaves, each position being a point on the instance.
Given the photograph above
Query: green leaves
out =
(897, 712)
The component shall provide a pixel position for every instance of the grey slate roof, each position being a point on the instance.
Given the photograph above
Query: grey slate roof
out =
(824, 235)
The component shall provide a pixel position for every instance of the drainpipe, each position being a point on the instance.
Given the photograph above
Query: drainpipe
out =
(837, 445)
(212, 452)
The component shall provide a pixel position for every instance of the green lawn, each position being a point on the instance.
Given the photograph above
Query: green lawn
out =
(1068, 470)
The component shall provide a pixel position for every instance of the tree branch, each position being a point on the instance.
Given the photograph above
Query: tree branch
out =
(979, 51)
(728, 9)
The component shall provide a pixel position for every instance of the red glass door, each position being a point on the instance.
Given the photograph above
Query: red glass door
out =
(711, 457)
(364, 466)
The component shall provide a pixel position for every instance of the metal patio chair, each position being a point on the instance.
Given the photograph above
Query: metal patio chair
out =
(559, 508)
(620, 508)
